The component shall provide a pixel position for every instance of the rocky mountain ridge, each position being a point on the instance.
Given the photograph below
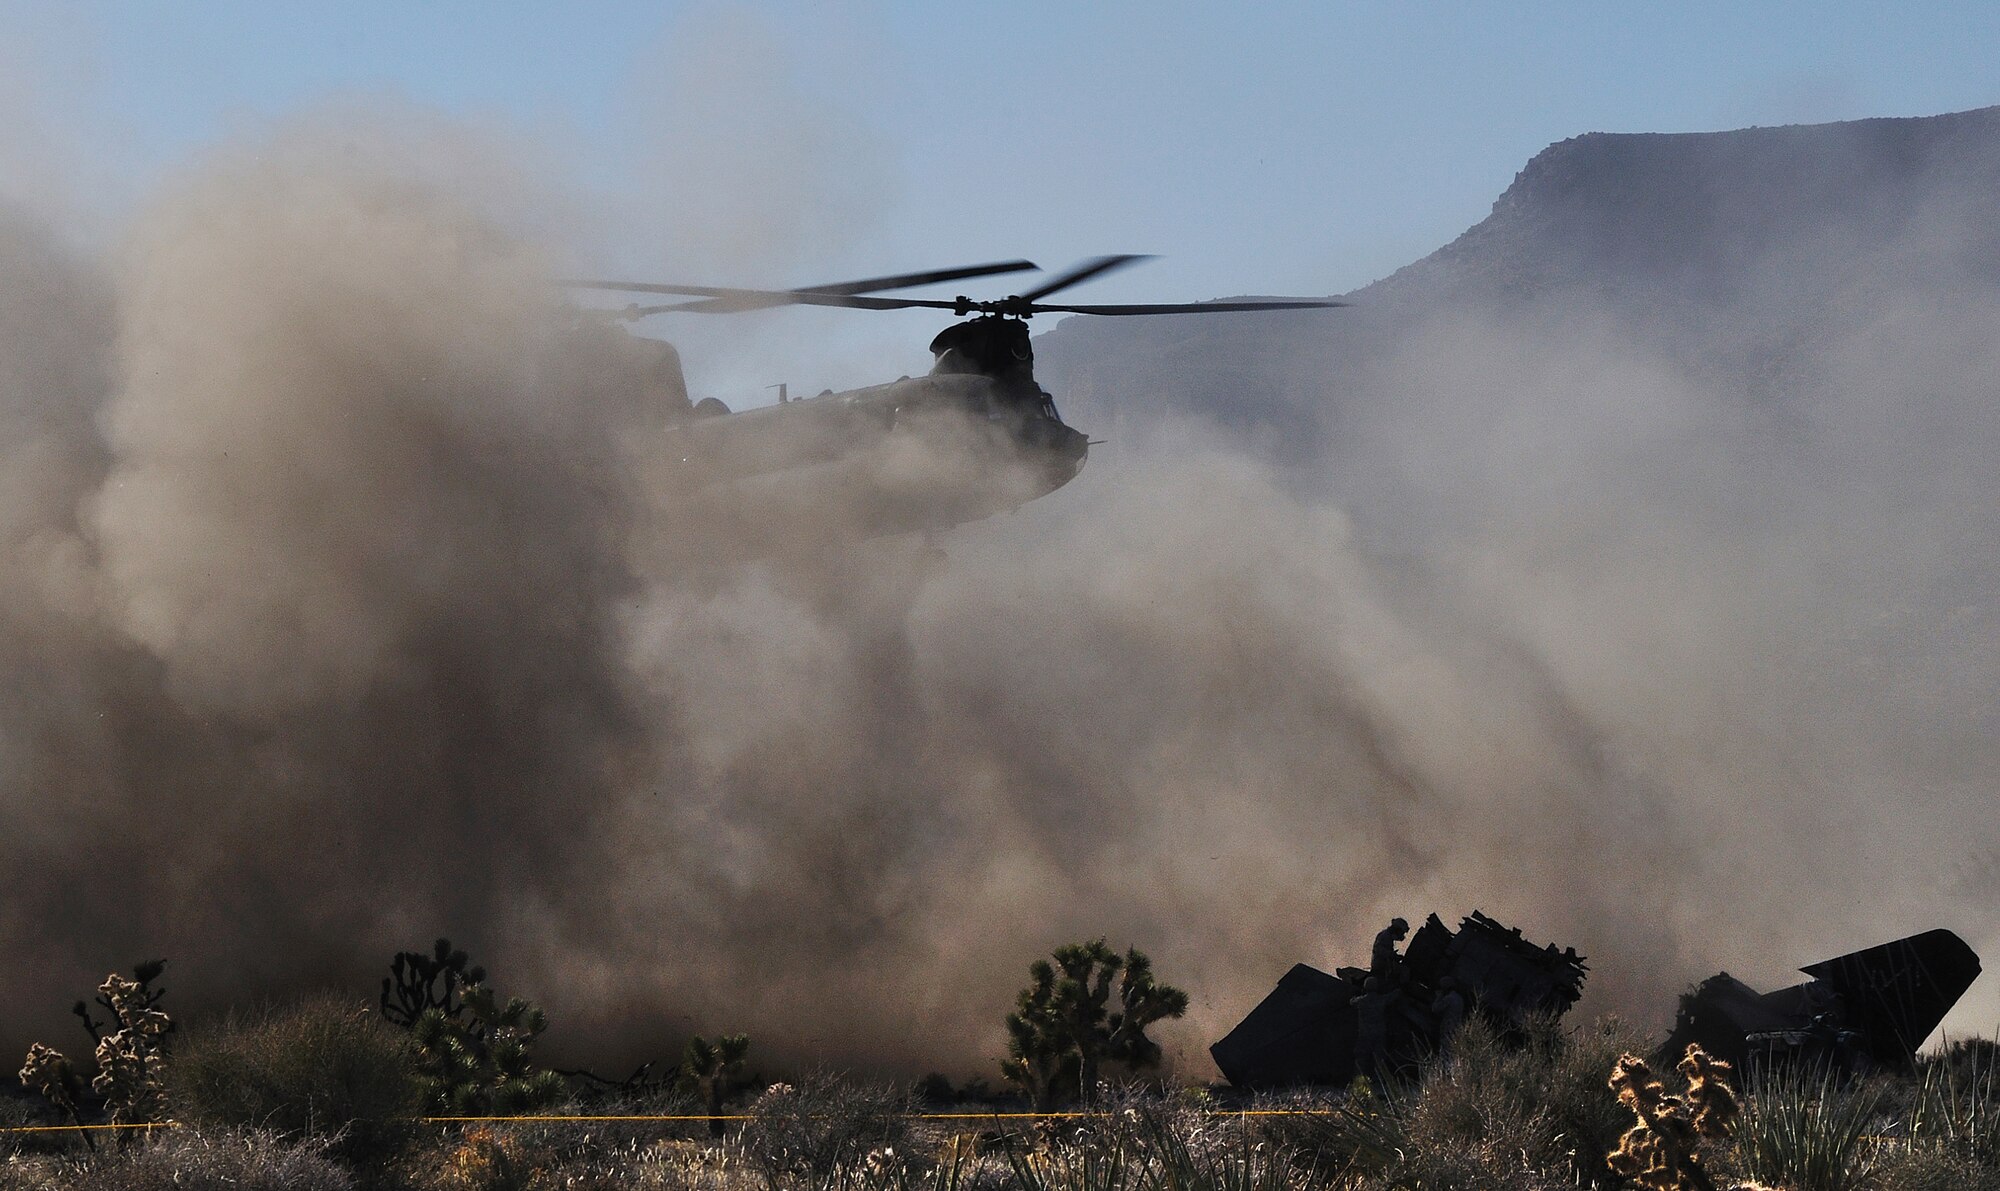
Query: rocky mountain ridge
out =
(1729, 248)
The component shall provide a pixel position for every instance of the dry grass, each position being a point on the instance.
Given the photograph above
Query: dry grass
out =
(186, 1160)
(1526, 1113)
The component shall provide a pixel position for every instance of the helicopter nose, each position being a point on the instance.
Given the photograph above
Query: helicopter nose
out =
(1071, 447)
(1075, 445)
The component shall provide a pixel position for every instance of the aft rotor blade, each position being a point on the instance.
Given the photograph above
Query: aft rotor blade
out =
(1196, 307)
(1083, 272)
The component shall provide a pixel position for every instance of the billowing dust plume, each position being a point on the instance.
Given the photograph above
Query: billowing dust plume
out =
(344, 608)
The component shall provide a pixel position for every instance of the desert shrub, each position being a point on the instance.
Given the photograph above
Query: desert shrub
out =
(1325, 1135)
(1146, 1141)
(1465, 1127)
(1927, 1168)
(820, 1132)
(212, 1160)
(481, 1158)
(1527, 1109)
(1185, 1149)
(1955, 1106)
(661, 1100)
(1807, 1130)
(24, 1112)
(577, 1153)
(624, 1168)
(321, 1068)
(1572, 1067)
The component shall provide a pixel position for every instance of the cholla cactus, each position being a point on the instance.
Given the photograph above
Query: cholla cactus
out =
(130, 1059)
(47, 1071)
(1659, 1152)
(1709, 1095)
(1662, 1152)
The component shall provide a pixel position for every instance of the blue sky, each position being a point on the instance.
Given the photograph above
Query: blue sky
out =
(1295, 147)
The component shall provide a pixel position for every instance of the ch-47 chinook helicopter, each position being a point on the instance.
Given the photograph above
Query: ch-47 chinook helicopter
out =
(975, 436)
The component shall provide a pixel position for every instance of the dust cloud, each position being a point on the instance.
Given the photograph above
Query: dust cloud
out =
(343, 610)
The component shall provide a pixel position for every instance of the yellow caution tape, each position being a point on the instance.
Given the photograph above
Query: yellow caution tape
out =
(581, 1118)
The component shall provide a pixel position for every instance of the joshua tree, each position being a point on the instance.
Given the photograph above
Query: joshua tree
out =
(712, 1070)
(476, 1052)
(417, 982)
(1065, 1025)
(481, 1062)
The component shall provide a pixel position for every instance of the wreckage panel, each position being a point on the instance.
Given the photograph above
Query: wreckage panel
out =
(1302, 1033)
(1513, 976)
(1868, 1008)
(1428, 957)
(1721, 1012)
(1898, 993)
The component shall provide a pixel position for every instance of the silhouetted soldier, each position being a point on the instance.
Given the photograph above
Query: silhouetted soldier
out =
(1383, 962)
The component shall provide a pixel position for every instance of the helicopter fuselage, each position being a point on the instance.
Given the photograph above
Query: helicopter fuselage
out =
(917, 453)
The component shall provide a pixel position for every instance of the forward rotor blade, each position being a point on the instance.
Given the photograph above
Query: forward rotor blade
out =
(739, 300)
(645, 287)
(1196, 307)
(912, 280)
(634, 312)
(1083, 272)
(754, 299)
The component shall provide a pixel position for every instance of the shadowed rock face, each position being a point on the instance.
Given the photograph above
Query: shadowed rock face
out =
(1626, 215)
